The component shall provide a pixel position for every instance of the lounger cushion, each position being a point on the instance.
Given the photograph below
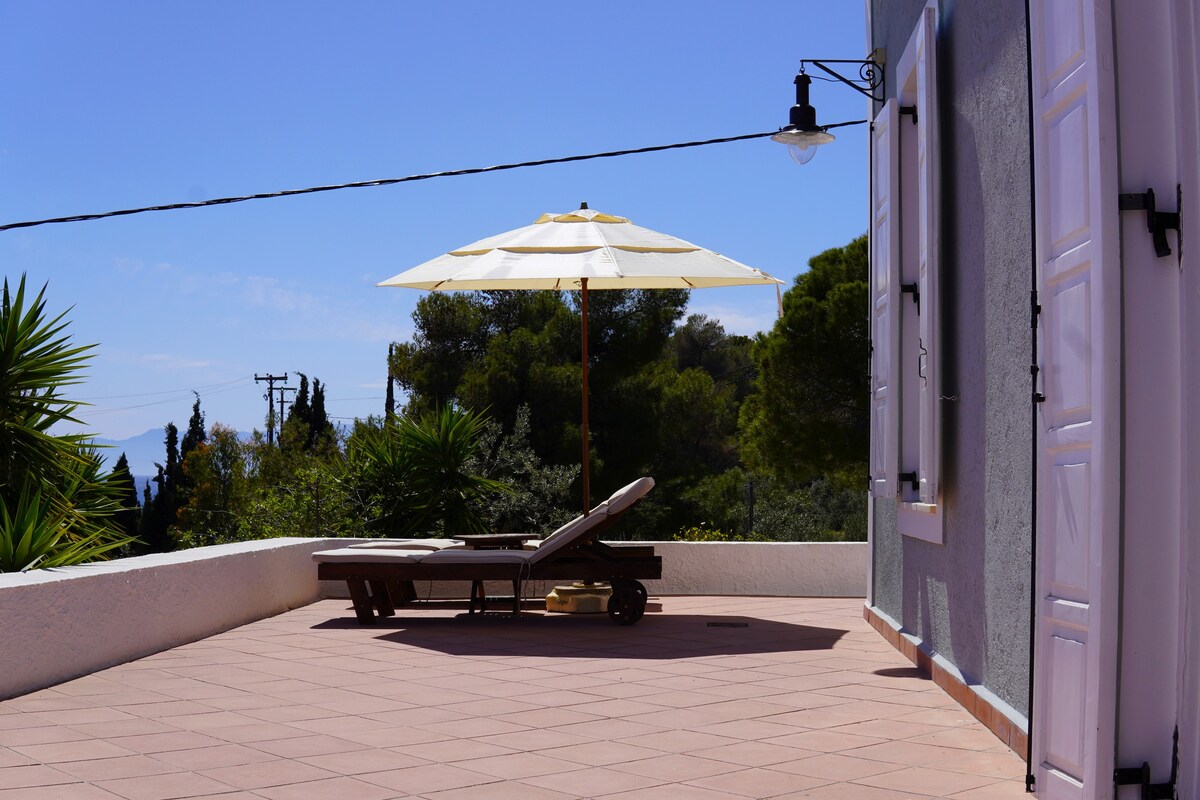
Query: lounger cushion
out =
(477, 556)
(626, 496)
(363, 555)
(570, 534)
(408, 544)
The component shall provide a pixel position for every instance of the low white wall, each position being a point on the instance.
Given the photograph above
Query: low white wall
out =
(61, 623)
(772, 569)
(775, 569)
(70, 621)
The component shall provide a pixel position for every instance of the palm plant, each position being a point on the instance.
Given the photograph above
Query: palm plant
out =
(55, 505)
(413, 476)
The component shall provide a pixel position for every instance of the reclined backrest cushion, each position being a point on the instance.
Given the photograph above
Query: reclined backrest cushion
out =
(580, 528)
(626, 496)
(574, 531)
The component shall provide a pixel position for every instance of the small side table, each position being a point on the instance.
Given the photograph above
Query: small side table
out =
(493, 541)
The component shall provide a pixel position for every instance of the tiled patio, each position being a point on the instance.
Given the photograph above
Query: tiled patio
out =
(705, 698)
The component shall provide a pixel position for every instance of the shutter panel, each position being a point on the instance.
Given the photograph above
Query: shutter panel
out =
(885, 288)
(1077, 264)
(929, 355)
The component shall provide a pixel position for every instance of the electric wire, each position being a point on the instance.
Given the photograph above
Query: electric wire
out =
(166, 391)
(380, 182)
(93, 412)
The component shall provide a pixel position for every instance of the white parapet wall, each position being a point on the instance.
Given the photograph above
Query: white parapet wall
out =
(61, 623)
(772, 569)
(776, 569)
(70, 621)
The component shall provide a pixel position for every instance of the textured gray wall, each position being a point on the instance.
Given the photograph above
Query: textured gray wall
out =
(968, 600)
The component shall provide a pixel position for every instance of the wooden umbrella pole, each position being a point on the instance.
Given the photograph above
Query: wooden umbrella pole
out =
(587, 504)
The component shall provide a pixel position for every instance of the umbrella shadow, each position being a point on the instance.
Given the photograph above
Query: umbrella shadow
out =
(655, 637)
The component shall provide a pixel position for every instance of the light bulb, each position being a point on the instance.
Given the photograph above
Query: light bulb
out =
(802, 145)
(801, 153)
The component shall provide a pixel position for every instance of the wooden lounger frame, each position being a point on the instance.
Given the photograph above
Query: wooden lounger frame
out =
(380, 586)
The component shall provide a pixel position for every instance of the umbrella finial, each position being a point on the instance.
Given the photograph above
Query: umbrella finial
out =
(583, 206)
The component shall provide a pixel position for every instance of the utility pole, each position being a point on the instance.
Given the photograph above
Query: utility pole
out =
(270, 398)
(283, 390)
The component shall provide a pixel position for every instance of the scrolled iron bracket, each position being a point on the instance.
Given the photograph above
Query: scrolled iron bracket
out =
(870, 74)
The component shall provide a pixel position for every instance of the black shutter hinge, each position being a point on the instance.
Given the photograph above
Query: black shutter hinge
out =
(915, 291)
(1030, 782)
(1038, 397)
(910, 111)
(1157, 222)
(1035, 309)
(909, 478)
(1140, 776)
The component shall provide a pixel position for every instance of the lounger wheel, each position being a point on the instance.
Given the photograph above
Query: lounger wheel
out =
(627, 603)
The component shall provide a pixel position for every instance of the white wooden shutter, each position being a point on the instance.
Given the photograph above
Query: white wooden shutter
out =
(929, 355)
(885, 288)
(1078, 282)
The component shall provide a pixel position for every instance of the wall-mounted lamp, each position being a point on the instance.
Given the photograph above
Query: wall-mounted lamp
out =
(802, 134)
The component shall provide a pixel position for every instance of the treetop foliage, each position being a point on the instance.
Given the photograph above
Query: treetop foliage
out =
(808, 415)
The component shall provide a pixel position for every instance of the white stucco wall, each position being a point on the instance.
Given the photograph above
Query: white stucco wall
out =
(62, 623)
(777, 569)
(772, 569)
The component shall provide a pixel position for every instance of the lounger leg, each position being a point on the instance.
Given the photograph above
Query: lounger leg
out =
(402, 592)
(382, 599)
(362, 601)
(516, 596)
(478, 597)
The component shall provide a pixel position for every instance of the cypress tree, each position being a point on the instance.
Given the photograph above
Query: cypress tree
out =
(127, 517)
(320, 429)
(156, 523)
(301, 410)
(195, 432)
(389, 403)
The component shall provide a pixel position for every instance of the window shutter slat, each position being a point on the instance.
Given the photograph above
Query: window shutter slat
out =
(885, 288)
(929, 381)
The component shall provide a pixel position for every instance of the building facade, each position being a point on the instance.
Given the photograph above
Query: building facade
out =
(1036, 374)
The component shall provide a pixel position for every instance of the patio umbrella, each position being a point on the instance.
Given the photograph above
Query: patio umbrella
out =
(582, 250)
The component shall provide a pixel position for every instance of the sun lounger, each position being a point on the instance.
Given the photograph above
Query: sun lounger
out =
(573, 552)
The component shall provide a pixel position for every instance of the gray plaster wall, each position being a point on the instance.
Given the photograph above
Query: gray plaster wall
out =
(968, 599)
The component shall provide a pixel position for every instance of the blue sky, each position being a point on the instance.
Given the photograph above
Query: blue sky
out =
(124, 104)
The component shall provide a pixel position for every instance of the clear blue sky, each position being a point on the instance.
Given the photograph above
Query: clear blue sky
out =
(122, 104)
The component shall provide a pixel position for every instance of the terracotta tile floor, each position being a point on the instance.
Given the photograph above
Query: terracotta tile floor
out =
(707, 697)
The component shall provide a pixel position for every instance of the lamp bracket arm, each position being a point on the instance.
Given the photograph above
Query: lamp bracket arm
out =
(870, 74)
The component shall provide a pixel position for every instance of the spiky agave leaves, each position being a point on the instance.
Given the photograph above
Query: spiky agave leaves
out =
(44, 527)
(440, 447)
(36, 360)
(55, 506)
(416, 477)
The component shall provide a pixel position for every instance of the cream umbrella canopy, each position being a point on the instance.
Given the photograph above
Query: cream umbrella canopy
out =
(582, 250)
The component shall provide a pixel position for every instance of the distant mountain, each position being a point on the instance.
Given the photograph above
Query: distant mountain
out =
(142, 451)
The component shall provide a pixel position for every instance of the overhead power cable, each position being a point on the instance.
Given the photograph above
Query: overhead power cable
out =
(382, 182)
(185, 391)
